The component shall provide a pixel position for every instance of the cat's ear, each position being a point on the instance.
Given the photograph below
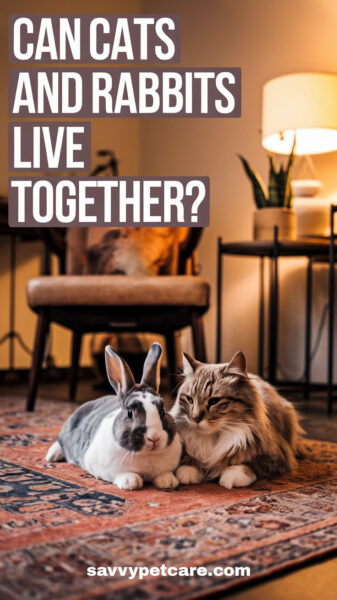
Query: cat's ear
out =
(189, 364)
(238, 363)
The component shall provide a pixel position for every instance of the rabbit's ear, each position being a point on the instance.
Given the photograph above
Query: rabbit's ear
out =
(119, 373)
(151, 369)
(189, 364)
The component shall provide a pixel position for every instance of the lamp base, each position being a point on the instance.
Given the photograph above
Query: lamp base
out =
(306, 188)
(312, 216)
(312, 212)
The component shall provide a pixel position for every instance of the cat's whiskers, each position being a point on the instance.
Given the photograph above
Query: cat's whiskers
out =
(227, 426)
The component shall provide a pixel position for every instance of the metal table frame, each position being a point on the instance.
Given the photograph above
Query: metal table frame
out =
(309, 248)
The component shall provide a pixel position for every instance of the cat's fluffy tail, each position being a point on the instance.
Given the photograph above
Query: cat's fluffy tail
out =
(299, 447)
(301, 451)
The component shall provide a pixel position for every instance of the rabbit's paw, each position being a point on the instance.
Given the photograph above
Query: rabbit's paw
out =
(128, 481)
(166, 480)
(188, 474)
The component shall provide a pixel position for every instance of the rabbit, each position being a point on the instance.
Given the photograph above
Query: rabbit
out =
(126, 438)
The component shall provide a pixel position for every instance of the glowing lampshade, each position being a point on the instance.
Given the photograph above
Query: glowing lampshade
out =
(301, 103)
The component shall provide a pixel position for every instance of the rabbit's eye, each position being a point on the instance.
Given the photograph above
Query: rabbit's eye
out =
(130, 413)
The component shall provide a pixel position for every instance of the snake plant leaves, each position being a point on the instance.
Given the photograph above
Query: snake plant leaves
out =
(279, 188)
(275, 183)
(288, 189)
(259, 189)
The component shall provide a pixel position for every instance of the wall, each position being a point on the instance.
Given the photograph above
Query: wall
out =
(123, 136)
(266, 38)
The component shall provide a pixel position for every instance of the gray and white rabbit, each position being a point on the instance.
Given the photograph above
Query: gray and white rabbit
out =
(126, 438)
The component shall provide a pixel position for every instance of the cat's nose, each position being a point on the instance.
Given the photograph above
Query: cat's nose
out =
(199, 417)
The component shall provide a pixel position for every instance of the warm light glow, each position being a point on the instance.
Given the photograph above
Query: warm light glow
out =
(305, 103)
(308, 141)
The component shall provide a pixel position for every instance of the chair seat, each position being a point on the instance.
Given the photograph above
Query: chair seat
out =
(117, 290)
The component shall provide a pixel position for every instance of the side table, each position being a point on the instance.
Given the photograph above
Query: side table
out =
(273, 250)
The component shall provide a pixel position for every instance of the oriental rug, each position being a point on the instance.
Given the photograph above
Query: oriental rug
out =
(56, 521)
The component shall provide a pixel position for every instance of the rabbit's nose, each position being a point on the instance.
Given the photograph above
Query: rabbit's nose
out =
(153, 438)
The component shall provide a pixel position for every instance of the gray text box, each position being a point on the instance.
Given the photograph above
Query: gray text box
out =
(26, 150)
(193, 103)
(119, 201)
(153, 39)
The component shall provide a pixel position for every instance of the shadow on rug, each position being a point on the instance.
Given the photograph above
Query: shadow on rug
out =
(56, 521)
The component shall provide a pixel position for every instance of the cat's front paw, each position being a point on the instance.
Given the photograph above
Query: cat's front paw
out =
(237, 476)
(188, 474)
(166, 480)
(128, 481)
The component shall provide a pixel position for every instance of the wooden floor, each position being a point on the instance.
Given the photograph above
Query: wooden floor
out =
(316, 582)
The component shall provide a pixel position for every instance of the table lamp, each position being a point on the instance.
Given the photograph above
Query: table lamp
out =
(305, 105)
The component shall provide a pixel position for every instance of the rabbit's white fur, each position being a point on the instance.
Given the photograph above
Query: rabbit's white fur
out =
(124, 439)
(148, 464)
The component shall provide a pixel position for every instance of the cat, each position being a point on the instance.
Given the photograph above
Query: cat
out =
(235, 427)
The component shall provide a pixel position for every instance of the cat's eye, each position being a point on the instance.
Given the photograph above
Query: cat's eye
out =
(223, 405)
(213, 401)
(130, 413)
(188, 398)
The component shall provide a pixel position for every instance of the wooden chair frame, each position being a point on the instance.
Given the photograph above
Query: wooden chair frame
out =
(165, 320)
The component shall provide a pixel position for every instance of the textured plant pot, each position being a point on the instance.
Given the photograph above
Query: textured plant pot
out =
(265, 219)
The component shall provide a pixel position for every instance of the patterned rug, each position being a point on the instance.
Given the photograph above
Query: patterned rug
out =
(56, 521)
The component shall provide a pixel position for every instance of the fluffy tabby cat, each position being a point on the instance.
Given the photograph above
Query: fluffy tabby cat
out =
(234, 425)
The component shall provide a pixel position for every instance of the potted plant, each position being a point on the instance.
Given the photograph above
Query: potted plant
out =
(274, 205)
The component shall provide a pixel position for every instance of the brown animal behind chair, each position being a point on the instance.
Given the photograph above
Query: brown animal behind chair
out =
(134, 251)
(124, 251)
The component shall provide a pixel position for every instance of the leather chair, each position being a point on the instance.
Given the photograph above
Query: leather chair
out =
(117, 303)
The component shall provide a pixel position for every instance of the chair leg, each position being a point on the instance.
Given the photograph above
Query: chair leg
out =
(39, 346)
(198, 338)
(75, 358)
(171, 357)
